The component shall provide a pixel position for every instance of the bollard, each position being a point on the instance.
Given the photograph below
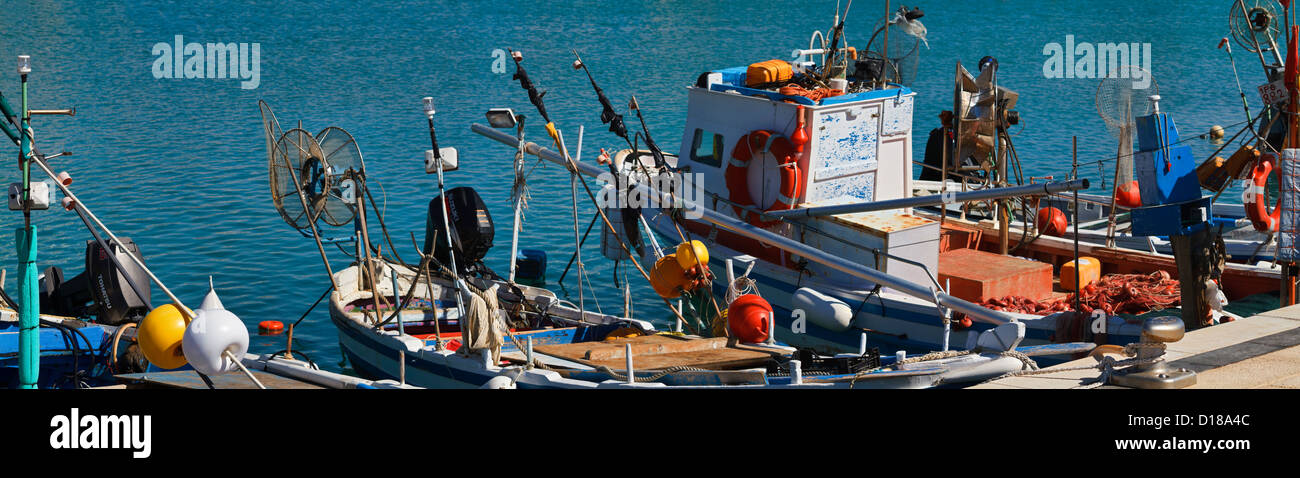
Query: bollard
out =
(631, 378)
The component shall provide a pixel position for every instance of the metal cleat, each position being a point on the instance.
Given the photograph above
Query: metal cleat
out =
(1152, 371)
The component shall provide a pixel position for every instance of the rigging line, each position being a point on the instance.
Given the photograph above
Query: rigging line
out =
(383, 227)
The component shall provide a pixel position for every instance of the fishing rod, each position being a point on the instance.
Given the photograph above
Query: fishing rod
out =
(607, 113)
(655, 152)
(1224, 43)
(536, 98)
(835, 41)
(616, 125)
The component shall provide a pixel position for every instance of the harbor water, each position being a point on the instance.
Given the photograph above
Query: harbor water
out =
(179, 165)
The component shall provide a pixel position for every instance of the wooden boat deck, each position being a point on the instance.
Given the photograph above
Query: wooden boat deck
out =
(655, 352)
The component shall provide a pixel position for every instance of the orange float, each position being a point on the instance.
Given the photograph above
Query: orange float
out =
(749, 317)
(1052, 222)
(1256, 197)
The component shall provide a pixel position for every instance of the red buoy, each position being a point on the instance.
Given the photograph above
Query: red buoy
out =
(749, 317)
(270, 327)
(1127, 195)
(1052, 222)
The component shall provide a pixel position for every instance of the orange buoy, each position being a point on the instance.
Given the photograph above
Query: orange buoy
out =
(269, 327)
(749, 317)
(1127, 195)
(1052, 222)
(668, 278)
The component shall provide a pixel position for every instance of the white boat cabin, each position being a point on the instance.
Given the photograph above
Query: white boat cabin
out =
(858, 149)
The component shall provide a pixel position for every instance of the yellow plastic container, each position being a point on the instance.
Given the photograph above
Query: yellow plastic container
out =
(768, 72)
(1089, 272)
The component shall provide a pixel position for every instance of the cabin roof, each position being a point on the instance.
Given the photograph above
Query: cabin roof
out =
(733, 79)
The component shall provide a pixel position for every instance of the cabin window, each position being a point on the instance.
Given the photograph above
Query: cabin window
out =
(707, 148)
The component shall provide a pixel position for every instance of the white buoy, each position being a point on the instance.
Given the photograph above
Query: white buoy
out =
(216, 339)
(499, 382)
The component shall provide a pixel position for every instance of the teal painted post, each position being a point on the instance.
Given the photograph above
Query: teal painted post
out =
(29, 340)
(29, 318)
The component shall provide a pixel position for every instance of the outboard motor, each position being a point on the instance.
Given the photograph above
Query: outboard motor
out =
(471, 228)
(102, 290)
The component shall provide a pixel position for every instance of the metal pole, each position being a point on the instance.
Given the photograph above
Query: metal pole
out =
(580, 243)
(936, 199)
(29, 318)
(446, 223)
(577, 244)
(1074, 173)
(519, 196)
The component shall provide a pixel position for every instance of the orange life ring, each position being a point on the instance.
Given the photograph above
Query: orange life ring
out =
(1256, 197)
(737, 174)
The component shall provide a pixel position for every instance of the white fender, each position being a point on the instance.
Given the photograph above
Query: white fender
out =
(1003, 337)
(499, 382)
(213, 332)
(821, 309)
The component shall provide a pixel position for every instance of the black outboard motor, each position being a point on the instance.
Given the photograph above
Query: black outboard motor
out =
(471, 228)
(102, 290)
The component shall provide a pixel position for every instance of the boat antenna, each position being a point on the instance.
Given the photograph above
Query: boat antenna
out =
(657, 153)
(607, 113)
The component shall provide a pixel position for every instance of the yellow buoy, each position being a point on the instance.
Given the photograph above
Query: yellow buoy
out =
(160, 335)
(689, 254)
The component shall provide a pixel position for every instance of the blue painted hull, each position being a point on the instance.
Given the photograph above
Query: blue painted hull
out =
(62, 355)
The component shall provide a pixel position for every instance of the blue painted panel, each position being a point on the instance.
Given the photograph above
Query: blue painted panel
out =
(1166, 171)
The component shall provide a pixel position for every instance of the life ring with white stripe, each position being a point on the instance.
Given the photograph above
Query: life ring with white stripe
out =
(737, 174)
(1256, 197)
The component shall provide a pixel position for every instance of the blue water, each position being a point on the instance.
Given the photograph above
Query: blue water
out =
(179, 165)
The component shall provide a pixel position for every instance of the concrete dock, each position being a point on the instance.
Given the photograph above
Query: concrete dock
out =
(1261, 351)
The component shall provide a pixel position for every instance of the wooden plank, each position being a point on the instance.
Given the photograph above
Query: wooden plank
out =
(660, 351)
(643, 345)
(724, 358)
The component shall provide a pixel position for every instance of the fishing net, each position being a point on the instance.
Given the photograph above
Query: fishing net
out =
(1115, 96)
(297, 156)
(342, 154)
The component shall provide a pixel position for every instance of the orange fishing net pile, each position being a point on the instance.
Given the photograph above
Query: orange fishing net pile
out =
(815, 95)
(1115, 294)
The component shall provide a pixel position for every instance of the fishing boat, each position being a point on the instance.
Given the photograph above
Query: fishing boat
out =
(1249, 271)
(451, 322)
(74, 353)
(800, 173)
(551, 344)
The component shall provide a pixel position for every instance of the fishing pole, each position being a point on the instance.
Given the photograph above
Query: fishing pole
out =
(607, 113)
(1222, 43)
(655, 152)
(616, 125)
(835, 41)
(536, 98)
